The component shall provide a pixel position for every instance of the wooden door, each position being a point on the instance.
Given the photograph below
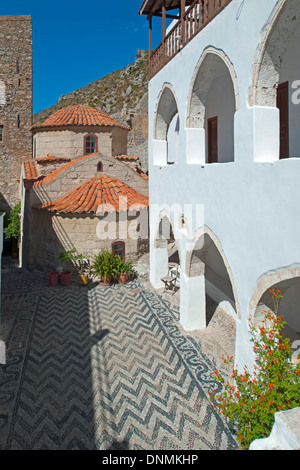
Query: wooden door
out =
(212, 129)
(283, 106)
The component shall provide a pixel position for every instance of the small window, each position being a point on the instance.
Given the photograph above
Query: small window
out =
(18, 121)
(99, 166)
(1, 133)
(118, 248)
(90, 144)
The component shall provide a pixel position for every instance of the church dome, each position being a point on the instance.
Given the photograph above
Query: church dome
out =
(79, 115)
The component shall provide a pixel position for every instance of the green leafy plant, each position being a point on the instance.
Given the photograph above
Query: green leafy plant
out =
(105, 264)
(124, 267)
(13, 227)
(66, 256)
(249, 401)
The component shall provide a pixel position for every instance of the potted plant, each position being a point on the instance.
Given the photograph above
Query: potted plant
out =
(125, 269)
(13, 228)
(105, 266)
(65, 257)
(53, 278)
(83, 267)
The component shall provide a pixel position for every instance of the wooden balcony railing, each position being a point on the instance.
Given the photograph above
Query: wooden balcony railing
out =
(194, 20)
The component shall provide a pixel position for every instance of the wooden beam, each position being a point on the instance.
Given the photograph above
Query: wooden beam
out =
(171, 17)
(150, 44)
(164, 29)
(182, 11)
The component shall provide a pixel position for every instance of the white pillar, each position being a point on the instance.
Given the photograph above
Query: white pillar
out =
(192, 302)
(158, 266)
(195, 146)
(160, 152)
(266, 134)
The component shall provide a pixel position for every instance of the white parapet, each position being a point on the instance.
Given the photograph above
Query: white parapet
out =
(285, 433)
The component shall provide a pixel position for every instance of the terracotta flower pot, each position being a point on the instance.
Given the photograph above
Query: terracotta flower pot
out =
(123, 278)
(106, 282)
(83, 279)
(53, 278)
(65, 278)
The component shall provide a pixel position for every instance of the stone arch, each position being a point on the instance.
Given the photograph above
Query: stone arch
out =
(210, 100)
(167, 126)
(287, 281)
(207, 67)
(165, 238)
(276, 36)
(207, 258)
(167, 108)
(275, 83)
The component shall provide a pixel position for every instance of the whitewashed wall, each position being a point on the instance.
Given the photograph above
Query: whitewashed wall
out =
(251, 205)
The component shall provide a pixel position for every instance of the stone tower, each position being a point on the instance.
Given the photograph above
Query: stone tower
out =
(15, 103)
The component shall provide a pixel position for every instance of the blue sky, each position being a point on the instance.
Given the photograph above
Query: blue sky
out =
(77, 42)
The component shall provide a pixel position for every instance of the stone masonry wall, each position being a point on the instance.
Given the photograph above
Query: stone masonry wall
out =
(70, 142)
(47, 234)
(54, 233)
(15, 103)
(83, 171)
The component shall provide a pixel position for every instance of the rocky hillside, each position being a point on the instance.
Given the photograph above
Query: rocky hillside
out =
(124, 96)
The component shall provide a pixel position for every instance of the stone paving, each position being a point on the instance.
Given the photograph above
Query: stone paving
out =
(101, 368)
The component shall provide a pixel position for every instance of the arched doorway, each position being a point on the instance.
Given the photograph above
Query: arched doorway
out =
(165, 250)
(288, 283)
(213, 297)
(207, 259)
(212, 106)
(276, 79)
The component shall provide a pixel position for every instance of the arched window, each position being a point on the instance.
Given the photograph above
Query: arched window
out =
(90, 144)
(99, 166)
(118, 248)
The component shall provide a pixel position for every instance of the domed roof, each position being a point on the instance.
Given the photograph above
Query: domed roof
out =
(79, 115)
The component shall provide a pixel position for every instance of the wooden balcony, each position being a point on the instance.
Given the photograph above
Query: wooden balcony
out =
(190, 22)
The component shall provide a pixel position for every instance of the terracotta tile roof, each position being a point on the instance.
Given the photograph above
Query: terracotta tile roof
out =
(52, 159)
(30, 169)
(141, 173)
(81, 115)
(101, 193)
(128, 158)
(31, 182)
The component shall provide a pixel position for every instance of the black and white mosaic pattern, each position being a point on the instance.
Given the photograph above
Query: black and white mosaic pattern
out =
(101, 368)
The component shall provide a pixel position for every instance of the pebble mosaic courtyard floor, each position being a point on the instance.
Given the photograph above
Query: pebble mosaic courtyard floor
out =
(101, 368)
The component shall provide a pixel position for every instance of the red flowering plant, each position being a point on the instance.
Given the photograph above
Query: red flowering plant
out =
(249, 401)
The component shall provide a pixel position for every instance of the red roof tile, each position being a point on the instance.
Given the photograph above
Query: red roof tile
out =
(128, 158)
(101, 193)
(30, 169)
(52, 159)
(81, 115)
(34, 183)
(141, 173)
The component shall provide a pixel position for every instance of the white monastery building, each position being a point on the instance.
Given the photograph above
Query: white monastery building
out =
(224, 157)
